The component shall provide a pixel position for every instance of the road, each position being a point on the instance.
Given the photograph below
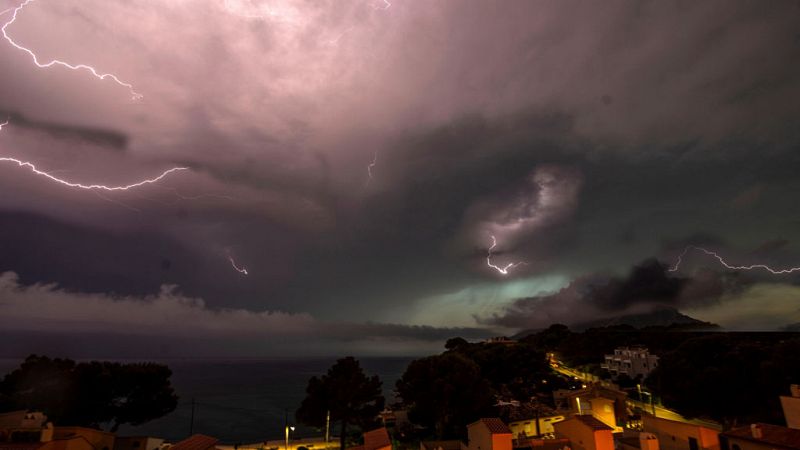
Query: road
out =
(656, 410)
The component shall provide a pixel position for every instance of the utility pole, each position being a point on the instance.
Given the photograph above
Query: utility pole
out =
(327, 428)
(191, 420)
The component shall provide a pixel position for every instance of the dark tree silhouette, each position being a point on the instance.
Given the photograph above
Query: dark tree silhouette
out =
(89, 394)
(351, 397)
(730, 378)
(445, 393)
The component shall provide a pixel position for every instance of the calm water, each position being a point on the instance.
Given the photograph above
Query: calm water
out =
(245, 401)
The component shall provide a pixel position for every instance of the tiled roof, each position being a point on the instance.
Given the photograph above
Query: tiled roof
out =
(495, 425)
(196, 442)
(375, 439)
(592, 422)
(773, 435)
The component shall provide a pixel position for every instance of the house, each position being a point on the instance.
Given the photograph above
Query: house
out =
(791, 407)
(377, 439)
(761, 436)
(100, 440)
(76, 443)
(527, 428)
(600, 408)
(25, 426)
(633, 362)
(489, 434)
(678, 435)
(585, 432)
(568, 400)
(638, 441)
(137, 443)
(196, 442)
(24, 430)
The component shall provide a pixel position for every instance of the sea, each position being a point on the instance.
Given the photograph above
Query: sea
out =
(245, 401)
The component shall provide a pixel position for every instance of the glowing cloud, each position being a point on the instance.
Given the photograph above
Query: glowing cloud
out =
(102, 76)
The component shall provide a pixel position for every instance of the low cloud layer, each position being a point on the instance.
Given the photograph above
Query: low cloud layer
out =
(46, 308)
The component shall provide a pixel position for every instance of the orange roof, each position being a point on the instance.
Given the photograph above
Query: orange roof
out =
(495, 425)
(590, 421)
(196, 442)
(772, 435)
(376, 439)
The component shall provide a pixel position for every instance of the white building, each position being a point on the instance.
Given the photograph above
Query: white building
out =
(633, 361)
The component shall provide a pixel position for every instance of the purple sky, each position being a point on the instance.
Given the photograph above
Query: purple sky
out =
(586, 137)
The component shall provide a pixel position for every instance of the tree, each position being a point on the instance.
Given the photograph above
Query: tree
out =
(456, 343)
(519, 370)
(351, 397)
(445, 393)
(728, 378)
(90, 393)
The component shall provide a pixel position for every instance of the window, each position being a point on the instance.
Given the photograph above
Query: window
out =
(693, 444)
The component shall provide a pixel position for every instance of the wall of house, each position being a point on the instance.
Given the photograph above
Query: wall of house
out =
(501, 442)
(791, 411)
(674, 435)
(603, 410)
(479, 437)
(583, 437)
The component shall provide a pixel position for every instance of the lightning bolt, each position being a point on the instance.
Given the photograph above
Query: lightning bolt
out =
(241, 270)
(102, 76)
(729, 266)
(371, 166)
(503, 270)
(100, 187)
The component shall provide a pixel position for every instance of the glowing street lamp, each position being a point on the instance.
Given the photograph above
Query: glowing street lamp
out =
(288, 428)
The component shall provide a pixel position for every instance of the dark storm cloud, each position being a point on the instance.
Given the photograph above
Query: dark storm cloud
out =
(655, 121)
(101, 137)
(648, 286)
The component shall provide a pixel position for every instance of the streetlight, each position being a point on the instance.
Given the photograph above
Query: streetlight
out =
(288, 428)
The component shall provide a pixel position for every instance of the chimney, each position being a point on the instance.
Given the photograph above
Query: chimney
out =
(755, 429)
(795, 390)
